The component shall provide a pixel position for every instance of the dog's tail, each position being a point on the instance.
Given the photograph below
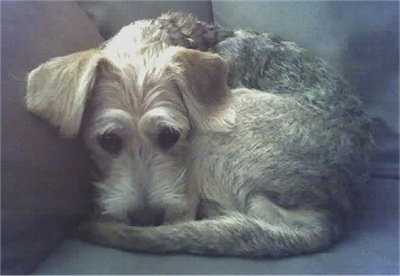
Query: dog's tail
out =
(231, 235)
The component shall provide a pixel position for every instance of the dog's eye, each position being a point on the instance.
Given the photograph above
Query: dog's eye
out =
(110, 142)
(168, 137)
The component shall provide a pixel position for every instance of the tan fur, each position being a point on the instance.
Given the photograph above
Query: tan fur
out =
(49, 85)
(204, 89)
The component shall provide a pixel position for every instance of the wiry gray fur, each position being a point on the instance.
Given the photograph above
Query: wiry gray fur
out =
(278, 183)
(179, 29)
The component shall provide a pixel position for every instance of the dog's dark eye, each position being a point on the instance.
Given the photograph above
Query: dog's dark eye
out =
(168, 137)
(110, 142)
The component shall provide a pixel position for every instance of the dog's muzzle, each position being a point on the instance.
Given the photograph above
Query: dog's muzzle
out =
(147, 217)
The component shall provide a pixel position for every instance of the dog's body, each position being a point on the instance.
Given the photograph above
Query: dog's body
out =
(195, 167)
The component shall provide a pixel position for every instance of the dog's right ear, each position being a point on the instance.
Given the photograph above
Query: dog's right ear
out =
(205, 90)
(58, 89)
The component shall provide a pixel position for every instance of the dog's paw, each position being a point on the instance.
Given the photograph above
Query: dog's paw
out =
(112, 234)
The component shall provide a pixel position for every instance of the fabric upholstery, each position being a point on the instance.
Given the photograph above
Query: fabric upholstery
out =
(43, 178)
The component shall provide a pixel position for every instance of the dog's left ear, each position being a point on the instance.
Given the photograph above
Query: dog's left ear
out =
(204, 89)
(57, 90)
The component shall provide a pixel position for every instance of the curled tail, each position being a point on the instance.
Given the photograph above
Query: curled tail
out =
(231, 235)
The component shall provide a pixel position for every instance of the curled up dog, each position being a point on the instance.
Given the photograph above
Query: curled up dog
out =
(189, 165)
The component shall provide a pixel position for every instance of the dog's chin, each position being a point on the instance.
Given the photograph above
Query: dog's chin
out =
(144, 218)
(147, 221)
(147, 218)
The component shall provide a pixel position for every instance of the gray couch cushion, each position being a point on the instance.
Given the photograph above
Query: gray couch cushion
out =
(371, 247)
(42, 176)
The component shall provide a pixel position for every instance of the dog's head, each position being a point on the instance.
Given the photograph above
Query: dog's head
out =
(137, 114)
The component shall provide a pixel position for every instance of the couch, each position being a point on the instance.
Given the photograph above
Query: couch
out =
(45, 180)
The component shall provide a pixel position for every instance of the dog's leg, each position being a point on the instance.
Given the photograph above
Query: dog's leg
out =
(234, 234)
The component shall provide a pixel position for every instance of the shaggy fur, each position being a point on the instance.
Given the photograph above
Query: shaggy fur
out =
(190, 165)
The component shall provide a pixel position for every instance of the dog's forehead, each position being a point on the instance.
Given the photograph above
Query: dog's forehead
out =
(124, 52)
(141, 81)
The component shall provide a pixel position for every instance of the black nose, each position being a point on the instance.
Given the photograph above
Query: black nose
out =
(147, 217)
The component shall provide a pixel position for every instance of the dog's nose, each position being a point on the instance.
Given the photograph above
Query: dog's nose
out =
(147, 217)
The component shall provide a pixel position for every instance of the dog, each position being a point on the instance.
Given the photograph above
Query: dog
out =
(191, 165)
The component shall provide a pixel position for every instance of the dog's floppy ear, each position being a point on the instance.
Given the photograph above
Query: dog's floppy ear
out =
(57, 90)
(204, 89)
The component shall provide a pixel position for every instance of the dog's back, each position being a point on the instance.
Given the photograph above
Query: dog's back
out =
(298, 153)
